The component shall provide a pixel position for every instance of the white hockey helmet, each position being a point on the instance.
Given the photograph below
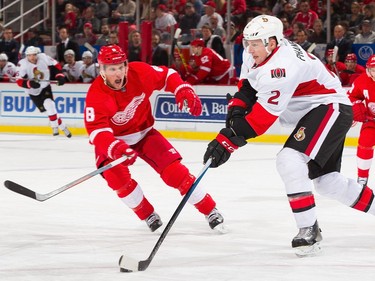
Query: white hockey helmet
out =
(3, 57)
(87, 54)
(31, 50)
(263, 27)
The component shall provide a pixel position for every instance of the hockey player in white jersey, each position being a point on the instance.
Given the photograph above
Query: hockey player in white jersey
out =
(72, 68)
(34, 74)
(89, 70)
(286, 83)
(7, 69)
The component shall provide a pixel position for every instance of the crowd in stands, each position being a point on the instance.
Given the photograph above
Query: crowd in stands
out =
(305, 22)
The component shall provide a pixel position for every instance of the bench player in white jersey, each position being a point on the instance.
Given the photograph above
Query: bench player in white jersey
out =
(89, 70)
(7, 69)
(287, 83)
(72, 68)
(34, 74)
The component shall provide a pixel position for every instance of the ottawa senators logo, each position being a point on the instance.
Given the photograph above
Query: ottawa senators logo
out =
(300, 135)
(278, 73)
(38, 74)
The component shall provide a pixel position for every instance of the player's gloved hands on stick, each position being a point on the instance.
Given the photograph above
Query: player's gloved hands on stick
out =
(60, 79)
(33, 84)
(359, 112)
(236, 109)
(187, 95)
(118, 148)
(222, 147)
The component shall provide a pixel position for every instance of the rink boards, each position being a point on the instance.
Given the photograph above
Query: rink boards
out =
(19, 115)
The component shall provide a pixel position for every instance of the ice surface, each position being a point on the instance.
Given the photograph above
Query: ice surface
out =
(80, 234)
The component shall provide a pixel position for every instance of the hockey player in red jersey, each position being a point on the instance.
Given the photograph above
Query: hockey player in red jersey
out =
(33, 74)
(213, 69)
(362, 96)
(119, 122)
(289, 84)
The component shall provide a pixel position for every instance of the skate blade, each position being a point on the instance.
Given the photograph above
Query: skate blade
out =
(221, 228)
(309, 251)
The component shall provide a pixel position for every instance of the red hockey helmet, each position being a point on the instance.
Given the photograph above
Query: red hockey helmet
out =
(329, 52)
(370, 62)
(111, 54)
(197, 42)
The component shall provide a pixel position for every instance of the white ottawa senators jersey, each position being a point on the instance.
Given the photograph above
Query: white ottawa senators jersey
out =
(89, 73)
(9, 70)
(289, 83)
(38, 71)
(72, 72)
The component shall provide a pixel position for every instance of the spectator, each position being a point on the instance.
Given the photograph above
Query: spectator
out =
(89, 17)
(87, 36)
(366, 35)
(7, 69)
(302, 40)
(65, 44)
(70, 17)
(213, 42)
(318, 34)
(89, 70)
(352, 70)
(216, 29)
(125, 12)
(104, 36)
(164, 21)
(288, 12)
(213, 69)
(101, 9)
(9, 46)
(209, 10)
(237, 13)
(297, 26)
(134, 50)
(113, 38)
(287, 29)
(33, 38)
(72, 68)
(306, 16)
(369, 14)
(189, 21)
(60, 12)
(355, 18)
(344, 45)
(198, 6)
(159, 54)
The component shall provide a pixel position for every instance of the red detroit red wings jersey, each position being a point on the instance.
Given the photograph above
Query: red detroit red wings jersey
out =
(363, 89)
(127, 113)
(211, 63)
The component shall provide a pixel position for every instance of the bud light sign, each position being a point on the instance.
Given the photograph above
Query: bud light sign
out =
(214, 109)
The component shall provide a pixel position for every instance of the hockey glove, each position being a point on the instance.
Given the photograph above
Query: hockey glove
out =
(236, 109)
(60, 79)
(222, 147)
(359, 112)
(186, 96)
(118, 148)
(33, 84)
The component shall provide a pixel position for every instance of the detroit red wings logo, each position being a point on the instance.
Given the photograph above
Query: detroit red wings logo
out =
(300, 135)
(123, 117)
(278, 72)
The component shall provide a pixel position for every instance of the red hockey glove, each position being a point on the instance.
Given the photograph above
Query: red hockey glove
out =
(118, 148)
(359, 112)
(60, 79)
(33, 84)
(222, 147)
(185, 94)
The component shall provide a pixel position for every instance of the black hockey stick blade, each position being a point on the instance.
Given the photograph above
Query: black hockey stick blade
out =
(20, 189)
(128, 264)
(15, 187)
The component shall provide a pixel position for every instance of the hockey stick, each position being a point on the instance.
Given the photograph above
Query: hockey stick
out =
(334, 60)
(130, 265)
(42, 197)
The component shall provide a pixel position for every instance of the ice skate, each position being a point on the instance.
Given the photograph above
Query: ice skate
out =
(55, 131)
(307, 241)
(216, 221)
(362, 181)
(67, 133)
(153, 221)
